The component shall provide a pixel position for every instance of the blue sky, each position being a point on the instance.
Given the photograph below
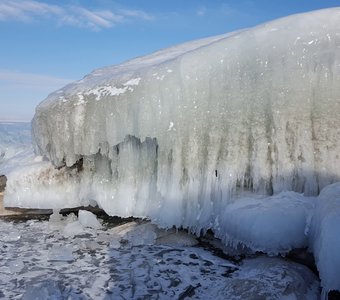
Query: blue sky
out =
(46, 44)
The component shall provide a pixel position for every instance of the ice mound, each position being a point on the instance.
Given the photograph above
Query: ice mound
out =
(70, 226)
(275, 224)
(325, 237)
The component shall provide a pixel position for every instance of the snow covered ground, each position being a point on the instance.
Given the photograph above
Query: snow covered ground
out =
(67, 258)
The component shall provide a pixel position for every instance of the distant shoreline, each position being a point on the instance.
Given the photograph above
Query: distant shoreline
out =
(13, 121)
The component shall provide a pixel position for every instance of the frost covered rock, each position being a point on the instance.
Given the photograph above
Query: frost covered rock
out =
(325, 237)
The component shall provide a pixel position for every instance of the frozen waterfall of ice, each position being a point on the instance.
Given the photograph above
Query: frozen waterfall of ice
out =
(180, 135)
(180, 132)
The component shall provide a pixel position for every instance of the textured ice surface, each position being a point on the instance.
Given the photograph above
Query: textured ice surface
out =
(325, 237)
(47, 265)
(275, 224)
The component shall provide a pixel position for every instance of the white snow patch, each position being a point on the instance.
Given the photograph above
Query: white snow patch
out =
(103, 91)
(134, 81)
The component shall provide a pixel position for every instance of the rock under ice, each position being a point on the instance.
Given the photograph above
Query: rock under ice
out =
(180, 134)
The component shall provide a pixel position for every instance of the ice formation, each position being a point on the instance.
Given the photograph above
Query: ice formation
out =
(181, 132)
(325, 238)
(179, 135)
(275, 224)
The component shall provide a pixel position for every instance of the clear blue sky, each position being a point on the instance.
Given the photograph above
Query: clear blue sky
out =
(46, 44)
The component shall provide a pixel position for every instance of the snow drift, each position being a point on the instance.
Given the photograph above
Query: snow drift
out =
(179, 135)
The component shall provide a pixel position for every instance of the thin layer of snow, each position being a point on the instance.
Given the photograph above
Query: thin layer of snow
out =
(48, 265)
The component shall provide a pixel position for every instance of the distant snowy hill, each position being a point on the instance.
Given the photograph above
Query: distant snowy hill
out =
(15, 137)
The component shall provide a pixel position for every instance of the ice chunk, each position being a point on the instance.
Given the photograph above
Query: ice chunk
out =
(88, 219)
(273, 225)
(72, 229)
(325, 238)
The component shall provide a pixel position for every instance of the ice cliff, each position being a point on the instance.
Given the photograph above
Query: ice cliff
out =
(256, 110)
(178, 135)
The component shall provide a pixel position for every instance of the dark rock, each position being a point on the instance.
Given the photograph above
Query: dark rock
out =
(3, 180)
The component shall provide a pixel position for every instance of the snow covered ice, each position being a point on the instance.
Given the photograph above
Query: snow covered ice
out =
(44, 264)
(182, 135)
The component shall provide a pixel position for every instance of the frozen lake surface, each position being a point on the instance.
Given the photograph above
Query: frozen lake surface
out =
(65, 259)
